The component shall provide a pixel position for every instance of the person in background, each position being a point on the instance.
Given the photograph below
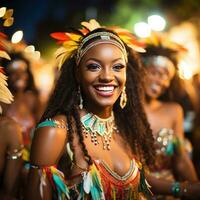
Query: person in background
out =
(173, 167)
(21, 83)
(11, 143)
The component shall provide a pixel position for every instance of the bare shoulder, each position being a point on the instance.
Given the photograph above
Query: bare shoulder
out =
(173, 108)
(49, 142)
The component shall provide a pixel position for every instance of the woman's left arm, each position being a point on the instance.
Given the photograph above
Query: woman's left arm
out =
(183, 166)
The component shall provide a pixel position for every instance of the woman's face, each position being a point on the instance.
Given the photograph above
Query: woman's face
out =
(102, 75)
(18, 75)
(160, 71)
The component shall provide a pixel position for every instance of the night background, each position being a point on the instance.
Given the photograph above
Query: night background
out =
(38, 18)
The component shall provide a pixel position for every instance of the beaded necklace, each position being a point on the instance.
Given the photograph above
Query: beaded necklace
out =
(93, 125)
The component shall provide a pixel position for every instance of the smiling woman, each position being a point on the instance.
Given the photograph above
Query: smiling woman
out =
(102, 76)
(93, 140)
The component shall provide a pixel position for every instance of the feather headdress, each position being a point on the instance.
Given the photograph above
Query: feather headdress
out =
(5, 94)
(161, 40)
(72, 42)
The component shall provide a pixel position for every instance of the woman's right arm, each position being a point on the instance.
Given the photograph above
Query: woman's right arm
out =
(47, 147)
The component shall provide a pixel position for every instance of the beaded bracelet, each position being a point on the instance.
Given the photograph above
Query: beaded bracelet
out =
(176, 189)
(184, 189)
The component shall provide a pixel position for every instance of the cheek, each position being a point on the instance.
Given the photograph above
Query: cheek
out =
(151, 78)
(167, 84)
(87, 78)
(121, 77)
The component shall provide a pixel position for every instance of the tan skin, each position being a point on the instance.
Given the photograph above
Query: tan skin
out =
(10, 139)
(102, 65)
(167, 115)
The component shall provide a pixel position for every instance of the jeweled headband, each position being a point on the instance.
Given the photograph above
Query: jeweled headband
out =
(158, 61)
(101, 38)
(77, 43)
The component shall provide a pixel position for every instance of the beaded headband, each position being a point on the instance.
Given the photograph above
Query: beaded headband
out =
(158, 61)
(75, 43)
(102, 38)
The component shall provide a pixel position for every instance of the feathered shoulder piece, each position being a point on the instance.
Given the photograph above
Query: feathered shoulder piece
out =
(71, 41)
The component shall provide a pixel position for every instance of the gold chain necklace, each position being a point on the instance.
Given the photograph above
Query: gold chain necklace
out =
(93, 125)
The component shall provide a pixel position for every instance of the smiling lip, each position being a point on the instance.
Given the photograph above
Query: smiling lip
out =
(155, 88)
(105, 90)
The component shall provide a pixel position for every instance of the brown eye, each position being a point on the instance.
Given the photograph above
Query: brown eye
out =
(93, 67)
(118, 67)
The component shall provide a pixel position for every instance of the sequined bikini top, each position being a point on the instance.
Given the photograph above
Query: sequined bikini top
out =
(166, 141)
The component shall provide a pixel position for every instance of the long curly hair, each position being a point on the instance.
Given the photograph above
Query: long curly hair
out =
(131, 121)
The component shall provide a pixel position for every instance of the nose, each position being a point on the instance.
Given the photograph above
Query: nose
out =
(106, 75)
(163, 83)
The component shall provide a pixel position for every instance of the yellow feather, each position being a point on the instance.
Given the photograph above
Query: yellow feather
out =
(8, 14)
(75, 37)
(91, 25)
(70, 43)
(137, 48)
(5, 94)
(3, 54)
(94, 24)
(125, 38)
(63, 53)
(8, 22)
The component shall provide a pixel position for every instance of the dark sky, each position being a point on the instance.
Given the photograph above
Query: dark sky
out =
(38, 17)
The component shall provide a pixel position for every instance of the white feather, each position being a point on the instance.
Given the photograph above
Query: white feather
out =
(87, 182)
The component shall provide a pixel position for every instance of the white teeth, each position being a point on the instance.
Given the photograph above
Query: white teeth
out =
(155, 87)
(105, 88)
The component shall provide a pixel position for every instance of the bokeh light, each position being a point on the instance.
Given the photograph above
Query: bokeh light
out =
(156, 22)
(17, 37)
(142, 29)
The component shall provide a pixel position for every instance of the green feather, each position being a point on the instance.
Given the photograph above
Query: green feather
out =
(61, 186)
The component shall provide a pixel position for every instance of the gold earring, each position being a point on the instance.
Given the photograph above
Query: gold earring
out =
(80, 99)
(123, 98)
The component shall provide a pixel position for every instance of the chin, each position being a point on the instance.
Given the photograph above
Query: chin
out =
(105, 104)
(152, 95)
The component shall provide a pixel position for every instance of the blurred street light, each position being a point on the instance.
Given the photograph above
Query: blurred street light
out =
(156, 22)
(17, 37)
(184, 71)
(142, 29)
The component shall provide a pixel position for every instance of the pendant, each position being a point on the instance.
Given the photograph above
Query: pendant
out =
(98, 128)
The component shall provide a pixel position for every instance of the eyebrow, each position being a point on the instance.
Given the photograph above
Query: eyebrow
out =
(97, 60)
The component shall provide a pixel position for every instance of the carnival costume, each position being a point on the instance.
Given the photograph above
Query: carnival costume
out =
(167, 144)
(99, 181)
